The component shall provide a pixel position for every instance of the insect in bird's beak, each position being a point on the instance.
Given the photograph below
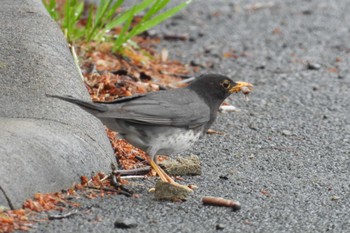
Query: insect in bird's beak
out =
(244, 87)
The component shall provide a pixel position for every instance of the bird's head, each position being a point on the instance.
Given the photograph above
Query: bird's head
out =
(216, 88)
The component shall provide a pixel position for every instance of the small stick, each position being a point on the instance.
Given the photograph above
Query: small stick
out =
(213, 131)
(139, 158)
(115, 183)
(103, 188)
(105, 177)
(134, 177)
(137, 171)
(123, 191)
(218, 201)
(61, 216)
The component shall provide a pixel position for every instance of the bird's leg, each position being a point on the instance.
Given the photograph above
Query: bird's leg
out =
(161, 173)
(166, 176)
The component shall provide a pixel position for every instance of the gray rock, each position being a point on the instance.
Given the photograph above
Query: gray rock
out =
(129, 222)
(45, 144)
(169, 192)
(286, 132)
(220, 226)
(182, 166)
(313, 66)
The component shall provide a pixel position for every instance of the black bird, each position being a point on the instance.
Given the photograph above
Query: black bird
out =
(165, 122)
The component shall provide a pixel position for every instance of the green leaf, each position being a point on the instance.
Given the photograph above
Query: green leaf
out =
(78, 12)
(51, 9)
(112, 9)
(157, 6)
(157, 19)
(88, 26)
(122, 35)
(102, 20)
(126, 15)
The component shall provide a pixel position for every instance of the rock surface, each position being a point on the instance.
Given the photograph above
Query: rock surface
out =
(182, 166)
(45, 144)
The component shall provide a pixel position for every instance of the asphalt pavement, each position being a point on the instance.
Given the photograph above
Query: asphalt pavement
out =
(286, 155)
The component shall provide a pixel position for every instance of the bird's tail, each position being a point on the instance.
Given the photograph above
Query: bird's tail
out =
(90, 107)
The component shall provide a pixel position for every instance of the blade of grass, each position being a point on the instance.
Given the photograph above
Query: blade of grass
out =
(105, 12)
(157, 6)
(88, 26)
(155, 20)
(101, 9)
(112, 10)
(125, 16)
(78, 10)
(66, 20)
(107, 18)
(120, 40)
(51, 8)
(102, 20)
(73, 10)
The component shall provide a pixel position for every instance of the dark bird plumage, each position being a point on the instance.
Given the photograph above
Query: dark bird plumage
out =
(164, 122)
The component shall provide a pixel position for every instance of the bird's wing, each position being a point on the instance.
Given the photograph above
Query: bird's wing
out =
(180, 107)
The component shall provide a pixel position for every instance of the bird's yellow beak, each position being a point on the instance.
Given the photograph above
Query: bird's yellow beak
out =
(241, 86)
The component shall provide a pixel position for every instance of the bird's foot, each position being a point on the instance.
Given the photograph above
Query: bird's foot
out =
(166, 178)
(175, 184)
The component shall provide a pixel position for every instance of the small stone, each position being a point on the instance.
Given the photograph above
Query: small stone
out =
(182, 166)
(252, 156)
(335, 198)
(201, 34)
(315, 88)
(286, 132)
(313, 66)
(228, 108)
(253, 126)
(306, 12)
(223, 177)
(125, 223)
(151, 190)
(170, 192)
(220, 226)
(3, 208)
(196, 63)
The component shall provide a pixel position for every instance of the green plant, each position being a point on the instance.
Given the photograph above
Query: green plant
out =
(105, 13)
(100, 21)
(73, 10)
(51, 8)
(149, 20)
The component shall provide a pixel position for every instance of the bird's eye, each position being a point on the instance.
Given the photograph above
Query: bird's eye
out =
(226, 84)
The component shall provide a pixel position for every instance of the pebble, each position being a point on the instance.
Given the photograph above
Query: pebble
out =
(286, 132)
(125, 223)
(252, 156)
(220, 226)
(223, 177)
(315, 88)
(335, 198)
(313, 66)
(253, 126)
